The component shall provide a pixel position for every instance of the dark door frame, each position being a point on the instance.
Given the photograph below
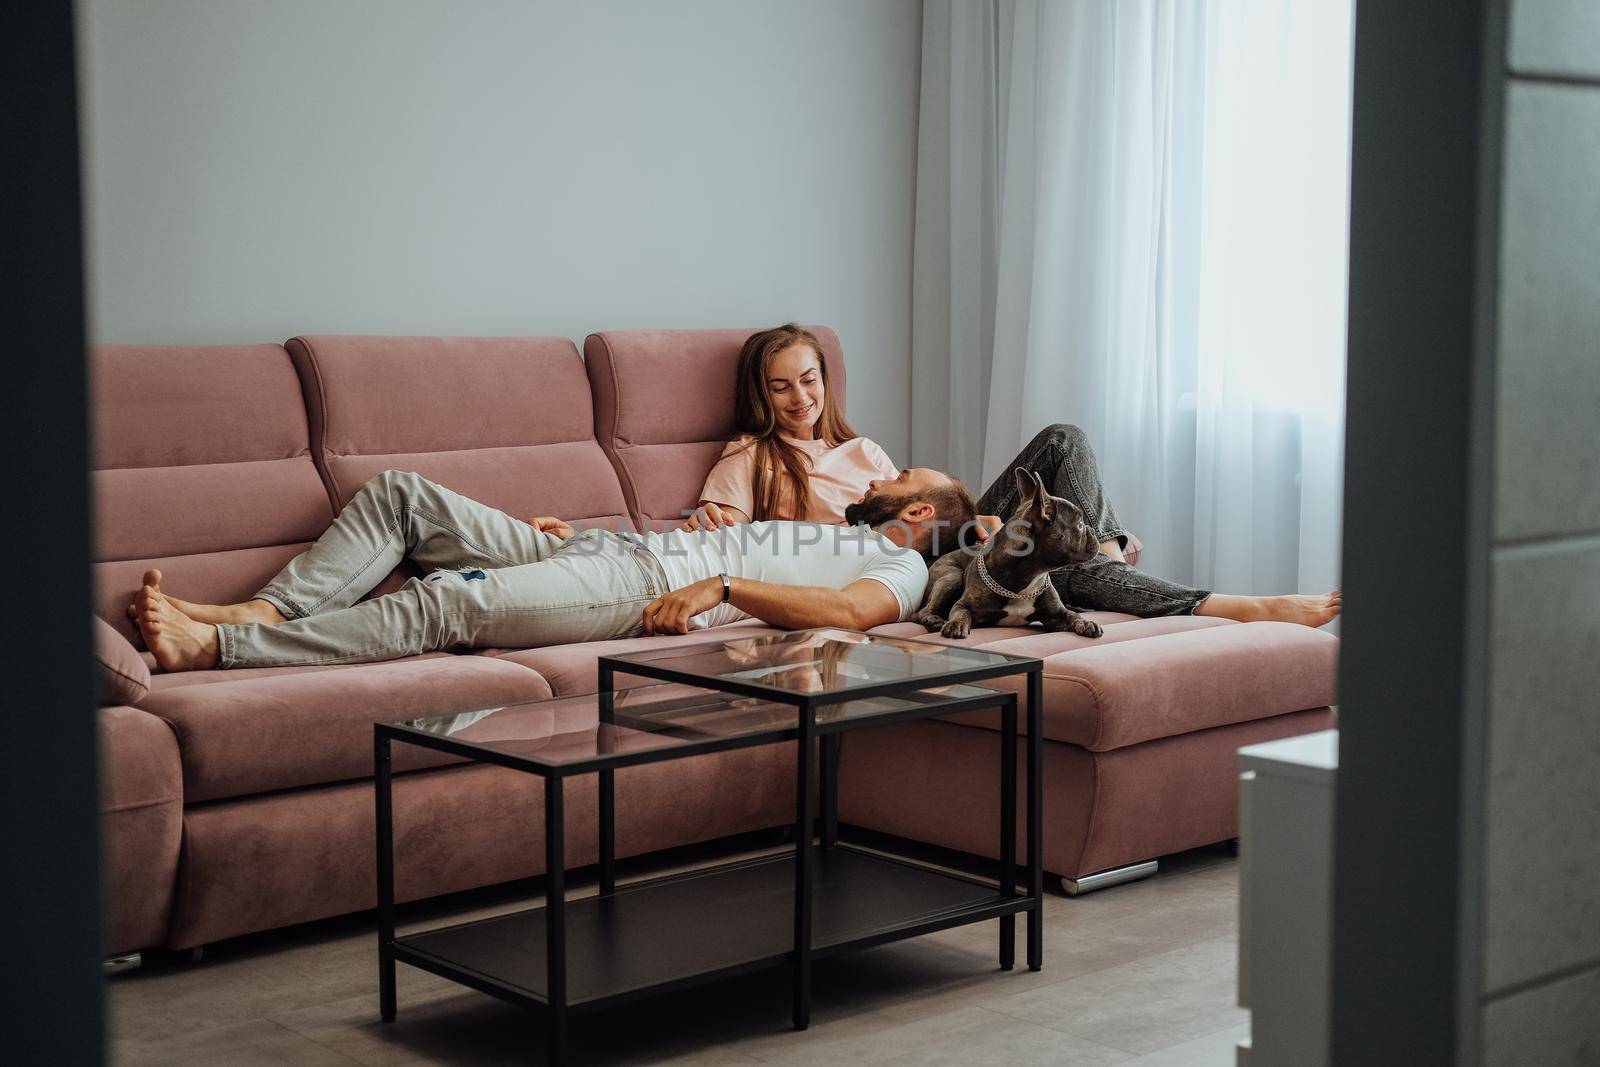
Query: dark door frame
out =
(1425, 163)
(49, 891)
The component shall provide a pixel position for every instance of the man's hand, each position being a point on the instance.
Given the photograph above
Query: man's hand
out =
(987, 526)
(670, 613)
(551, 525)
(713, 516)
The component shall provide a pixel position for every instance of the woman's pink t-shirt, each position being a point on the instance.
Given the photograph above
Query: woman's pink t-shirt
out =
(839, 475)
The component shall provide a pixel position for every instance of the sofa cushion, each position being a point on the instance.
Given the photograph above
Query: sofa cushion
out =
(985, 635)
(202, 468)
(285, 727)
(160, 680)
(504, 420)
(1150, 678)
(124, 675)
(575, 668)
(663, 403)
(302, 854)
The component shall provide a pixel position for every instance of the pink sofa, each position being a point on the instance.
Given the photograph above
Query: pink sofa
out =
(241, 801)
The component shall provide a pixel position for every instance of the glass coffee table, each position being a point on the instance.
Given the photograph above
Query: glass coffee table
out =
(820, 898)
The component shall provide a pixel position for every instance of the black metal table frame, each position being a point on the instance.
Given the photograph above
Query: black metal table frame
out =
(806, 731)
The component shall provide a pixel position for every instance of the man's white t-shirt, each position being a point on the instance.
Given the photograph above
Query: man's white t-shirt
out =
(788, 553)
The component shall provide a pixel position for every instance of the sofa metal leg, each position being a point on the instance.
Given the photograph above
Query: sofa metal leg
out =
(117, 964)
(1076, 887)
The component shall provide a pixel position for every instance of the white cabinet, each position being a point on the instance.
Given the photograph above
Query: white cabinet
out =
(1286, 898)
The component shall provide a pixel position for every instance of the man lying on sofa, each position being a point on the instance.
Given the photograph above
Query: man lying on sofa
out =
(499, 581)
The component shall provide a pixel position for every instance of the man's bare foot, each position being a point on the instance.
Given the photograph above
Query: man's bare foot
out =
(1305, 609)
(178, 642)
(250, 611)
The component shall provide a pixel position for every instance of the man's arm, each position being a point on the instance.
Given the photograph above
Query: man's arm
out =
(861, 605)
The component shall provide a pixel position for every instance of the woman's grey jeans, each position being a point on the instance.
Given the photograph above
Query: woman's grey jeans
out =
(495, 582)
(1062, 458)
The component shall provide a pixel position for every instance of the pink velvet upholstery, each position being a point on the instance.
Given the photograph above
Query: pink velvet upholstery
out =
(575, 668)
(663, 409)
(277, 731)
(209, 577)
(124, 675)
(141, 824)
(161, 681)
(504, 420)
(268, 861)
(1033, 641)
(1111, 693)
(202, 467)
(939, 782)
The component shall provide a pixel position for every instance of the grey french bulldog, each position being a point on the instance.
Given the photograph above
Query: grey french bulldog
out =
(1007, 582)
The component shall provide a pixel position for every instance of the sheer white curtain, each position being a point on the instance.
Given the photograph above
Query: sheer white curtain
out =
(1131, 215)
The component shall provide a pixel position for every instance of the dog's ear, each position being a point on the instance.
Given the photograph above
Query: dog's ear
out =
(1027, 485)
(1047, 507)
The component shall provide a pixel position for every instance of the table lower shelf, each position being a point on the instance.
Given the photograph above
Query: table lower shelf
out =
(704, 925)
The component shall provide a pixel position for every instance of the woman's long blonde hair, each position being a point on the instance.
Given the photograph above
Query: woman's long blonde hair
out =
(782, 489)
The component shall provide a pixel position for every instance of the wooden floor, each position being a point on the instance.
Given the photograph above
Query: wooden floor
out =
(1136, 974)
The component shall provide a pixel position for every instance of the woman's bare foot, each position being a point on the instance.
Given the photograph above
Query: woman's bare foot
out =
(250, 611)
(178, 642)
(1305, 609)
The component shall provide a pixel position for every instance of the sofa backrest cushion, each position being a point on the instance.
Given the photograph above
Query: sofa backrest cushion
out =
(201, 468)
(664, 409)
(504, 420)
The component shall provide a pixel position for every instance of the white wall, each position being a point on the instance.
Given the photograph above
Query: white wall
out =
(261, 169)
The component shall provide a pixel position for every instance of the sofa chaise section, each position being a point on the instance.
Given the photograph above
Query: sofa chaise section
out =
(1140, 732)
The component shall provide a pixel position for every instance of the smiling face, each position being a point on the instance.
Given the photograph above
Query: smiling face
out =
(795, 390)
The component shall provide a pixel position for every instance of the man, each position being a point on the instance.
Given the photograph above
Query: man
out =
(497, 581)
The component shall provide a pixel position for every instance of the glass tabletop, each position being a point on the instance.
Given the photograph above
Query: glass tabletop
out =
(823, 661)
(657, 721)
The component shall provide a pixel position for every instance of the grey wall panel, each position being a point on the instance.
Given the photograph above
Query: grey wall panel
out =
(1557, 1023)
(1556, 37)
(1547, 458)
(1542, 903)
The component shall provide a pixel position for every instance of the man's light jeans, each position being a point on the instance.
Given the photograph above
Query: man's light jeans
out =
(495, 582)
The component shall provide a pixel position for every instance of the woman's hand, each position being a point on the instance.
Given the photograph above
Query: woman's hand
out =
(713, 516)
(551, 525)
(670, 613)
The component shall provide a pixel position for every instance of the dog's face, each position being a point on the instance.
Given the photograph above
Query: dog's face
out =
(1056, 526)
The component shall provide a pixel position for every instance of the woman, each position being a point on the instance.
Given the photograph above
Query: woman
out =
(797, 458)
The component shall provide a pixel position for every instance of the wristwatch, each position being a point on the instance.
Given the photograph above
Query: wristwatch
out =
(727, 588)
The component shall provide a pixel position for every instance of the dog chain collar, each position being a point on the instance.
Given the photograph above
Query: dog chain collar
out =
(995, 587)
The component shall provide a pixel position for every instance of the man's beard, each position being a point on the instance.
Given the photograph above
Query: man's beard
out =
(875, 510)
